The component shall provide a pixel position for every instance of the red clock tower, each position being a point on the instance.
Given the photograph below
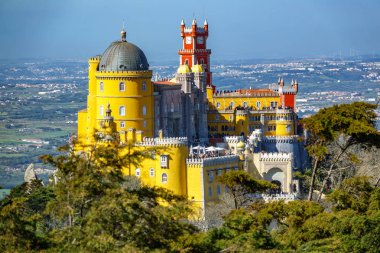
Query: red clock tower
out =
(194, 50)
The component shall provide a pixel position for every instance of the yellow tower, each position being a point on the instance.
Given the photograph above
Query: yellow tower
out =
(121, 79)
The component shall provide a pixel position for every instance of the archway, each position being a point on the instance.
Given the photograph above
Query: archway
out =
(276, 176)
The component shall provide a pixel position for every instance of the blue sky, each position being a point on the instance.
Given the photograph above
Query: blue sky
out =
(240, 29)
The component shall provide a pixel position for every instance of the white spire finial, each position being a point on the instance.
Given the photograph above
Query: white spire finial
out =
(205, 23)
(123, 32)
(182, 22)
(194, 22)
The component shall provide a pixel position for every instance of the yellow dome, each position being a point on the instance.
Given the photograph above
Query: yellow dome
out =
(197, 68)
(183, 69)
(240, 145)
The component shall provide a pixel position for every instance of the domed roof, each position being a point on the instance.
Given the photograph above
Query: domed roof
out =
(183, 69)
(240, 145)
(197, 68)
(122, 55)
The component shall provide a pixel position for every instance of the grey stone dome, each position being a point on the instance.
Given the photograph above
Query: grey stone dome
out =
(122, 55)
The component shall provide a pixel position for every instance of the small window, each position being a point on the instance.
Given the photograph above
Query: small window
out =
(164, 178)
(216, 117)
(186, 62)
(220, 171)
(210, 191)
(101, 110)
(172, 107)
(218, 191)
(122, 110)
(211, 176)
(137, 172)
(232, 105)
(231, 117)
(144, 123)
(164, 161)
(144, 110)
(258, 105)
(143, 86)
(218, 105)
(151, 172)
(101, 86)
(245, 104)
(202, 61)
(122, 124)
(122, 86)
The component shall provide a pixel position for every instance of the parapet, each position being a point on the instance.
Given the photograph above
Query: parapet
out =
(275, 157)
(278, 139)
(212, 160)
(233, 139)
(165, 141)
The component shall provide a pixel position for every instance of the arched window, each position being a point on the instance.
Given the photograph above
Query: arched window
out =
(218, 105)
(232, 104)
(144, 124)
(151, 172)
(164, 178)
(137, 172)
(144, 110)
(101, 86)
(121, 86)
(186, 62)
(258, 105)
(245, 104)
(122, 110)
(202, 61)
(172, 107)
(101, 110)
(122, 124)
(143, 86)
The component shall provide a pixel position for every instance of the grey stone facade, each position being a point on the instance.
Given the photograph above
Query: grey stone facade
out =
(180, 107)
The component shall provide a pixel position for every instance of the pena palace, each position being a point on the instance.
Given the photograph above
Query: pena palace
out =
(198, 131)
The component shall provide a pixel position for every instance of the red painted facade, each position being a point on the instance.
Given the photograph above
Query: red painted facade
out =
(194, 49)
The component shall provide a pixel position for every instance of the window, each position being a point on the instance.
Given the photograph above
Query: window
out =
(219, 173)
(231, 117)
(144, 110)
(172, 107)
(216, 117)
(164, 161)
(245, 104)
(143, 86)
(137, 172)
(288, 128)
(258, 105)
(218, 190)
(121, 86)
(186, 62)
(164, 178)
(101, 110)
(232, 104)
(202, 61)
(211, 176)
(122, 110)
(151, 172)
(122, 124)
(210, 191)
(218, 105)
(101, 86)
(273, 104)
(271, 128)
(144, 123)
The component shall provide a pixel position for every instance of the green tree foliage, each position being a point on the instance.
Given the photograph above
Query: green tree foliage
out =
(241, 184)
(333, 131)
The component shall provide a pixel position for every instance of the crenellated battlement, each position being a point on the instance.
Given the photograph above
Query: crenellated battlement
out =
(233, 139)
(275, 157)
(165, 141)
(280, 139)
(212, 160)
